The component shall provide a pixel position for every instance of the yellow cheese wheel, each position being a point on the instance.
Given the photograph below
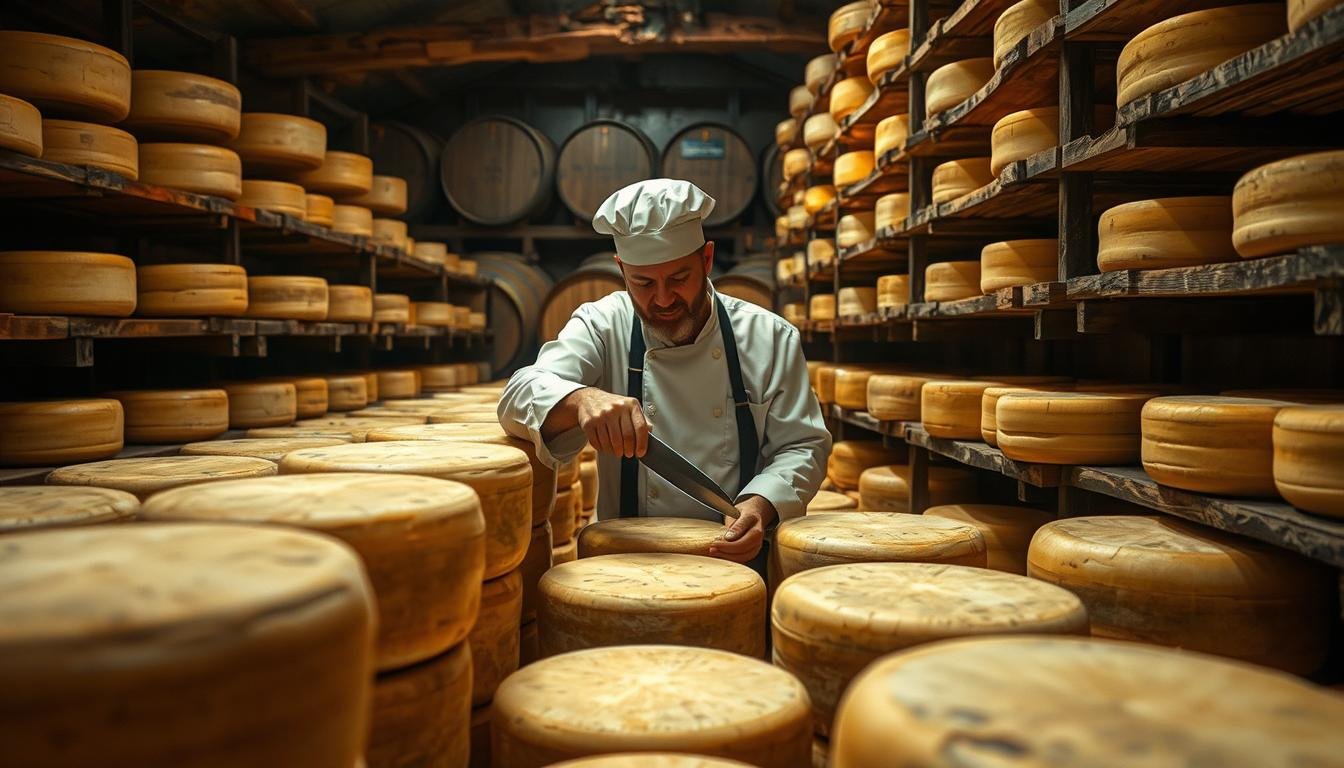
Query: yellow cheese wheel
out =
(782, 227)
(1017, 22)
(565, 553)
(1166, 232)
(952, 280)
(891, 210)
(274, 143)
(790, 268)
(1289, 204)
(825, 386)
(588, 476)
(830, 501)
(1181, 47)
(632, 535)
(183, 106)
(467, 267)
(831, 538)
(494, 637)
(800, 101)
(97, 146)
(198, 168)
(851, 385)
(891, 134)
(895, 396)
(438, 378)
(386, 196)
(820, 251)
(786, 132)
(989, 403)
(173, 415)
(391, 307)
(190, 290)
(1007, 530)
(283, 619)
(346, 393)
(857, 300)
(269, 448)
(275, 196)
(20, 126)
(1302, 11)
(1018, 262)
(421, 715)
(287, 297)
(436, 253)
(850, 457)
(261, 404)
(795, 312)
(60, 431)
(853, 167)
(887, 52)
(66, 283)
(31, 507)
(499, 475)
(1071, 427)
(1308, 448)
(1218, 445)
(650, 760)
(847, 23)
(310, 394)
(389, 232)
(848, 95)
(817, 197)
(798, 218)
(951, 84)
(1052, 696)
(434, 313)
(893, 291)
(352, 220)
(821, 306)
(535, 563)
(65, 77)
(1020, 135)
(318, 209)
(819, 129)
(349, 304)
(1169, 582)
(855, 228)
(146, 476)
(957, 178)
(817, 71)
(887, 488)
(562, 519)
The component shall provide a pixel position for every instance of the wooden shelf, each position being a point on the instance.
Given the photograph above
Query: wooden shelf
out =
(863, 420)
(1120, 20)
(1027, 77)
(1202, 145)
(1025, 190)
(872, 253)
(941, 47)
(889, 97)
(954, 142)
(894, 177)
(974, 18)
(982, 456)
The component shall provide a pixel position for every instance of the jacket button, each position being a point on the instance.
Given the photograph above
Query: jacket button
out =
(718, 412)
(716, 354)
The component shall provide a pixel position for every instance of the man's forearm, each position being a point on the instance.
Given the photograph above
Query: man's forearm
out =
(563, 417)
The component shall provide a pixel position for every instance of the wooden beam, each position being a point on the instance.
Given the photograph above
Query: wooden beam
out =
(292, 12)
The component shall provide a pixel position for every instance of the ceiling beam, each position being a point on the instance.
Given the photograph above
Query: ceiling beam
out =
(292, 12)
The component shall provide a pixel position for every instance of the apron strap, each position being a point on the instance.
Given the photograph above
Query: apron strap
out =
(634, 387)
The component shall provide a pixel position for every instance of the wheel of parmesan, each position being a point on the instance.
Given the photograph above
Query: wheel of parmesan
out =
(275, 196)
(147, 476)
(438, 378)
(951, 84)
(272, 143)
(190, 290)
(818, 197)
(1168, 582)
(989, 402)
(535, 563)
(588, 476)
(887, 489)
(389, 232)
(97, 146)
(887, 52)
(65, 77)
(271, 448)
(1308, 448)
(31, 507)
(1220, 445)
(821, 306)
(796, 162)
(435, 253)
(349, 304)
(1020, 135)
(957, 178)
(952, 280)
(855, 228)
(895, 396)
(433, 313)
(562, 517)
(421, 715)
(1070, 427)
(853, 301)
(851, 385)
(198, 168)
(1042, 697)
(892, 290)
(352, 220)
(786, 132)
(800, 102)
(633, 535)
(817, 71)
(825, 384)
(287, 297)
(183, 106)
(1302, 11)
(20, 126)
(848, 95)
(66, 283)
(1289, 204)
(346, 393)
(830, 501)
(494, 637)
(318, 209)
(261, 404)
(1181, 47)
(850, 457)
(386, 196)
(1018, 262)
(847, 23)
(1167, 232)
(891, 210)
(1007, 530)
(391, 307)
(891, 134)
(1017, 22)
(565, 553)
(853, 167)
(831, 538)
(819, 129)
(160, 416)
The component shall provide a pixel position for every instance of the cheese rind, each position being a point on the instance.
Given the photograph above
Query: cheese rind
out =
(952, 281)
(319, 209)
(421, 715)
(199, 168)
(273, 143)
(31, 507)
(349, 304)
(275, 196)
(800, 101)
(563, 523)
(846, 23)
(391, 308)
(818, 197)
(1017, 21)
(1165, 232)
(819, 129)
(1289, 204)
(887, 52)
(957, 178)
(852, 167)
(831, 538)
(536, 562)
(1020, 135)
(989, 402)
(20, 126)
(855, 229)
(951, 409)
(100, 146)
(1071, 427)
(817, 70)
(346, 393)
(951, 84)
(891, 134)
(183, 106)
(386, 195)
(287, 297)
(146, 476)
(847, 96)
(850, 457)
(60, 431)
(190, 290)
(1018, 262)
(893, 291)
(66, 283)
(352, 220)
(887, 489)
(494, 636)
(173, 415)
(389, 232)
(821, 306)
(786, 132)
(1308, 452)
(261, 404)
(623, 536)
(1220, 445)
(830, 501)
(1007, 530)
(65, 76)
(896, 396)
(891, 210)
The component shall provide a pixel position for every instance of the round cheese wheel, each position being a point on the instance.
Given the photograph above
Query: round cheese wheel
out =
(829, 623)
(1018, 262)
(97, 146)
(494, 637)
(287, 297)
(650, 760)
(796, 162)
(565, 553)
(391, 307)
(1302, 11)
(1169, 582)
(273, 143)
(1017, 22)
(346, 393)
(819, 129)
(183, 106)
(895, 396)
(1070, 427)
(847, 23)
(421, 715)
(989, 403)
(190, 290)
(790, 268)
(1181, 47)
(831, 538)
(891, 134)
(386, 196)
(173, 415)
(1020, 135)
(797, 216)
(498, 474)
(275, 196)
(782, 227)
(199, 168)
(31, 507)
(349, 304)
(848, 95)
(632, 535)
(818, 197)
(261, 404)
(1220, 445)
(855, 228)
(1167, 232)
(952, 280)
(887, 52)
(891, 210)
(434, 313)
(851, 386)
(821, 306)
(467, 267)
(146, 476)
(957, 178)
(887, 489)
(825, 384)
(1052, 696)
(20, 126)
(1289, 204)
(857, 300)
(786, 132)
(850, 457)
(1007, 530)
(1308, 448)
(817, 71)
(389, 232)
(438, 378)
(800, 101)
(588, 478)
(535, 563)
(352, 220)
(562, 519)
(820, 252)
(853, 167)
(271, 449)
(436, 253)
(951, 84)
(795, 312)
(65, 77)
(830, 501)
(59, 431)
(318, 209)
(66, 283)
(893, 291)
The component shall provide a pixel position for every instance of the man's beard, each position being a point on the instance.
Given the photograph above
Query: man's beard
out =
(684, 328)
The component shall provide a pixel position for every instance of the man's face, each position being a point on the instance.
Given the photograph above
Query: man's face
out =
(672, 297)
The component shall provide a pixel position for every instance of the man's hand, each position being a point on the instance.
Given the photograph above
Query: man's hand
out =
(614, 424)
(742, 538)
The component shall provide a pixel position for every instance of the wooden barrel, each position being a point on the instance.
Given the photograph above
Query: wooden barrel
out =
(597, 276)
(497, 170)
(402, 150)
(519, 289)
(772, 175)
(718, 160)
(598, 159)
(753, 280)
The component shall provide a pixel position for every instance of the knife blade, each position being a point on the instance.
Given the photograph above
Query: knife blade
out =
(665, 462)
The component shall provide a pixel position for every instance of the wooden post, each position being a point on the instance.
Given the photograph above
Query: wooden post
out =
(919, 480)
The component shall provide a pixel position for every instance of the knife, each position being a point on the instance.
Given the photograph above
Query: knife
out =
(674, 468)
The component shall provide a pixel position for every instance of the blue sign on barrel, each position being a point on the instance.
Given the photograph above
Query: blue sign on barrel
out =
(703, 149)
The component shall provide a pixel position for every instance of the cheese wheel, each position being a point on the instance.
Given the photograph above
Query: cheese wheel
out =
(59, 431)
(817, 71)
(1308, 447)
(1289, 204)
(795, 312)
(820, 252)
(310, 395)
(535, 563)
(891, 210)
(830, 501)
(31, 507)
(275, 196)
(891, 134)
(786, 132)
(817, 197)
(853, 167)
(952, 281)
(1070, 427)
(825, 385)
(1169, 582)
(346, 393)
(494, 637)
(434, 313)
(957, 178)
(97, 146)
(800, 101)
(467, 267)
(1302, 11)
(1007, 530)
(895, 396)
(273, 143)
(562, 519)
(318, 209)
(887, 52)
(819, 129)
(951, 84)
(1057, 696)
(476, 321)
(421, 715)
(854, 229)
(588, 476)
(632, 535)
(831, 538)
(1220, 445)
(198, 168)
(183, 106)
(352, 220)
(798, 218)
(391, 307)
(565, 553)
(438, 378)
(20, 126)
(887, 488)
(173, 415)
(190, 290)
(349, 304)
(851, 385)
(989, 403)
(829, 623)
(261, 404)
(893, 291)
(389, 232)
(436, 253)
(275, 617)
(821, 306)
(146, 476)
(271, 449)
(848, 95)
(1167, 232)
(386, 195)
(287, 297)
(66, 283)
(1017, 22)
(850, 457)
(498, 474)
(1018, 262)
(782, 226)
(65, 77)
(1019, 135)
(1181, 47)
(857, 300)
(847, 23)
(650, 760)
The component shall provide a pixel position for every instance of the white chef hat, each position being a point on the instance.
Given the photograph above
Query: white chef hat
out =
(654, 221)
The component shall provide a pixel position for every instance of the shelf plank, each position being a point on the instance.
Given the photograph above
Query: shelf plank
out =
(939, 48)
(982, 456)
(1120, 20)
(974, 18)
(1024, 189)
(1197, 144)
(1294, 271)
(891, 96)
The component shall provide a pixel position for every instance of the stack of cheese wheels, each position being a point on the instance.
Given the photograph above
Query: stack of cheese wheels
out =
(1181, 47)
(819, 129)
(190, 290)
(1220, 445)
(952, 281)
(1017, 22)
(22, 132)
(1022, 134)
(989, 403)
(1071, 427)
(283, 619)
(848, 95)
(66, 283)
(261, 404)
(147, 476)
(65, 77)
(796, 163)
(893, 291)
(800, 101)
(173, 415)
(349, 303)
(1289, 204)
(830, 501)
(270, 143)
(1308, 454)
(821, 307)
(32, 507)
(391, 308)
(389, 232)
(287, 297)
(831, 538)
(855, 229)
(886, 53)
(786, 132)
(891, 210)
(1166, 232)
(896, 396)
(1018, 262)
(850, 457)
(852, 167)
(495, 638)
(198, 168)
(386, 196)
(951, 84)
(957, 178)
(183, 106)
(652, 598)
(319, 209)
(1049, 696)
(1169, 582)
(274, 196)
(825, 385)
(887, 488)
(51, 432)
(891, 134)
(829, 623)
(623, 536)
(1007, 530)
(397, 384)
(847, 23)
(820, 252)
(99, 146)
(269, 448)
(670, 697)
(352, 220)
(818, 197)
(857, 301)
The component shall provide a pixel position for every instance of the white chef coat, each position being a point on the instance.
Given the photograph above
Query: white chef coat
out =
(688, 401)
